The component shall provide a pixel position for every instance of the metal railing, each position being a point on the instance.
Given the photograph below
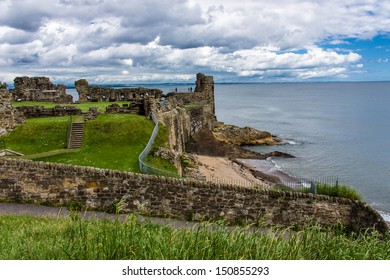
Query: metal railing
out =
(145, 167)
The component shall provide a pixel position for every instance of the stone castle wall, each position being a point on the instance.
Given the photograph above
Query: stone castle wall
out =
(39, 89)
(9, 117)
(42, 112)
(89, 93)
(98, 189)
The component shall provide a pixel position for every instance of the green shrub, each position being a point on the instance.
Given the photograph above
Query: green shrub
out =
(339, 191)
(325, 189)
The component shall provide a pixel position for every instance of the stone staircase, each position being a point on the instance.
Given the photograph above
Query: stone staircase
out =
(76, 134)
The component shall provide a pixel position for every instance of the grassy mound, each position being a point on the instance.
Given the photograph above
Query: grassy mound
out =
(38, 135)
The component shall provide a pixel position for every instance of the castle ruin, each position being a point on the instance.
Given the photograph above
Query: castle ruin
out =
(183, 113)
(89, 93)
(39, 89)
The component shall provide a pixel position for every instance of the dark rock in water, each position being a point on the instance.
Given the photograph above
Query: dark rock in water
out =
(278, 154)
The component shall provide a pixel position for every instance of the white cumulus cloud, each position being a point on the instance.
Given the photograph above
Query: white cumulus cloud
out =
(154, 39)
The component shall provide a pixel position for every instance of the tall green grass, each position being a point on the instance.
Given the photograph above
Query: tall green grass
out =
(75, 238)
(339, 191)
(326, 189)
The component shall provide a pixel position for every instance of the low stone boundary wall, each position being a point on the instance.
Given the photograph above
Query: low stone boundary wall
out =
(42, 112)
(98, 189)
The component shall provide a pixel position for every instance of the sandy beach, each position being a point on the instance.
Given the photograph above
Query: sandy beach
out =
(224, 170)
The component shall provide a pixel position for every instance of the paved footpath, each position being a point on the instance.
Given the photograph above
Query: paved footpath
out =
(40, 211)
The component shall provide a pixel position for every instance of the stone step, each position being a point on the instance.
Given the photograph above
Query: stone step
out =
(77, 135)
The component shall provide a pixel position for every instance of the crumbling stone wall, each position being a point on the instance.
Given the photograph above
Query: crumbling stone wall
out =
(9, 117)
(98, 189)
(89, 93)
(131, 108)
(39, 89)
(42, 112)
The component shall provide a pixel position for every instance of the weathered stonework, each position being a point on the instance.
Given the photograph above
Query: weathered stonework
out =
(185, 114)
(97, 189)
(9, 117)
(39, 89)
(42, 112)
(89, 93)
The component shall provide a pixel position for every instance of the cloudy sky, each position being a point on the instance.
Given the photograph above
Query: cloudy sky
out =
(134, 41)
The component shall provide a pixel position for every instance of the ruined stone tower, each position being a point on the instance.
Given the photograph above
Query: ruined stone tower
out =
(205, 85)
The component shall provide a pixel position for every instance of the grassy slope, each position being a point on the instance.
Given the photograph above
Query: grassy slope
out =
(74, 238)
(38, 135)
(111, 141)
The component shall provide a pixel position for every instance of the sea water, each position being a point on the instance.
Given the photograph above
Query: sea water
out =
(333, 129)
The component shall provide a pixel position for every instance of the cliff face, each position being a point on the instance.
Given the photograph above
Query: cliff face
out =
(9, 117)
(185, 114)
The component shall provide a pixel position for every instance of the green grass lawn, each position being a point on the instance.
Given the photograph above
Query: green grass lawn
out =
(83, 106)
(113, 141)
(38, 135)
(74, 238)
